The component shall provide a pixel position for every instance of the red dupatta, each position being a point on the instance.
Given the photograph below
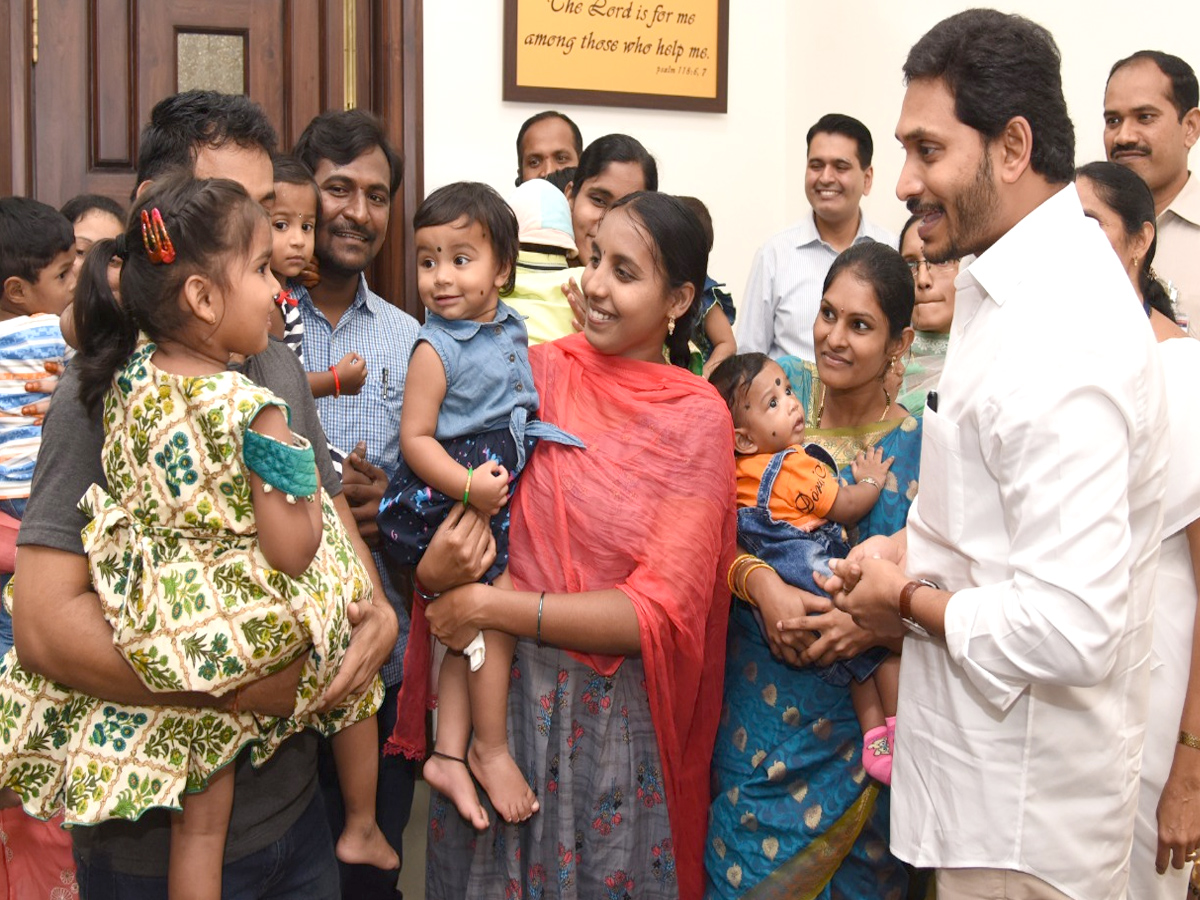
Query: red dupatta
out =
(648, 509)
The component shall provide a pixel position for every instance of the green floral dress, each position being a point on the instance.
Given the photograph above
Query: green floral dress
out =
(194, 606)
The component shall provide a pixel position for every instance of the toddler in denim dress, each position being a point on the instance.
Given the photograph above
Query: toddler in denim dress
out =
(791, 509)
(467, 429)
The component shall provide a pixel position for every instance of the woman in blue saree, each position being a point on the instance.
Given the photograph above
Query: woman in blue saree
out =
(794, 815)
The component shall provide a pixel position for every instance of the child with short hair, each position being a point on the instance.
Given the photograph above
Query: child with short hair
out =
(37, 279)
(791, 507)
(546, 241)
(216, 556)
(466, 430)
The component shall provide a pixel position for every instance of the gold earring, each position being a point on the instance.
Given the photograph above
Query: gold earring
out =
(670, 325)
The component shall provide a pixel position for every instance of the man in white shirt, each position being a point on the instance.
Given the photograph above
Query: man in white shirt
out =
(1150, 124)
(783, 294)
(1023, 682)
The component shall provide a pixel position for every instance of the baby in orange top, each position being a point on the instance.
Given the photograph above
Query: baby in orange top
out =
(791, 507)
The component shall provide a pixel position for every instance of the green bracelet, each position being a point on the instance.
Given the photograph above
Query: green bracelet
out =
(467, 490)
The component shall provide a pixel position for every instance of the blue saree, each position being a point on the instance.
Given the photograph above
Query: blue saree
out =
(794, 813)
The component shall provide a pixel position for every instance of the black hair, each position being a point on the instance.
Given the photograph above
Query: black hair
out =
(82, 204)
(1124, 192)
(182, 124)
(32, 233)
(885, 271)
(615, 148)
(997, 67)
(839, 123)
(912, 220)
(208, 221)
(678, 249)
(287, 169)
(541, 117)
(560, 178)
(1185, 93)
(702, 213)
(480, 203)
(733, 377)
(343, 136)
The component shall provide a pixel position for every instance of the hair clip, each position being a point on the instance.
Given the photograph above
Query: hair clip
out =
(155, 238)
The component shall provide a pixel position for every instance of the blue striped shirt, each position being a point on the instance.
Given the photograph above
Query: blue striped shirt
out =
(783, 294)
(384, 336)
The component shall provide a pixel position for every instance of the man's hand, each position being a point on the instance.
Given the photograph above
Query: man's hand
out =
(869, 590)
(363, 485)
(274, 695)
(460, 551)
(371, 643)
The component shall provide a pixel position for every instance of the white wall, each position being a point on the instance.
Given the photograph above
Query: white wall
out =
(790, 61)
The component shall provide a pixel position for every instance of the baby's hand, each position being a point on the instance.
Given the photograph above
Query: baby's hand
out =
(489, 488)
(578, 304)
(352, 372)
(871, 464)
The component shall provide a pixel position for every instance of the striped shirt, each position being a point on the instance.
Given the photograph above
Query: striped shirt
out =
(27, 343)
(783, 294)
(384, 336)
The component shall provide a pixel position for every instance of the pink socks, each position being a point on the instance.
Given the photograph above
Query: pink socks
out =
(878, 744)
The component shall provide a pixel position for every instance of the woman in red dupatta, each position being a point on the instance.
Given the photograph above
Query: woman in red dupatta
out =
(617, 594)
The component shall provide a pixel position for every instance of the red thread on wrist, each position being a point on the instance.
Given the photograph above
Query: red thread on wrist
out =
(337, 382)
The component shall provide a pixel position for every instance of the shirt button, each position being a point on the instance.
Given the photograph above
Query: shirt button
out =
(498, 329)
(520, 387)
(512, 357)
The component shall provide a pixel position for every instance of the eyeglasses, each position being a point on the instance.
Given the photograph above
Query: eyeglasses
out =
(915, 264)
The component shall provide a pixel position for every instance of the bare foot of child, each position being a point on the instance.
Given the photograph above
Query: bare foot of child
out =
(449, 776)
(503, 781)
(362, 843)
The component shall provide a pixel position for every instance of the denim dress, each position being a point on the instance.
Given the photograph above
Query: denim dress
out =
(488, 414)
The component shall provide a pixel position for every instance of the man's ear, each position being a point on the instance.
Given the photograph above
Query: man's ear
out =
(743, 443)
(16, 292)
(1191, 127)
(200, 298)
(868, 178)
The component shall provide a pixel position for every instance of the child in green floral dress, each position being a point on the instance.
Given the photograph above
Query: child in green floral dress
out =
(217, 558)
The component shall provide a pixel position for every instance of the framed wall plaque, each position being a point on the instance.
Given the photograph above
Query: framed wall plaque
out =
(639, 53)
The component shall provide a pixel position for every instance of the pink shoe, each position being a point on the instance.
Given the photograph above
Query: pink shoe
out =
(877, 754)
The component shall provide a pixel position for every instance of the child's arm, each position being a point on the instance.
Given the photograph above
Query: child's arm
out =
(720, 335)
(289, 533)
(351, 375)
(853, 501)
(424, 391)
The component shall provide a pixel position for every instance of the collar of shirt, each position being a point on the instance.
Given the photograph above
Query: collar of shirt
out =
(807, 233)
(1186, 204)
(1004, 268)
(541, 262)
(364, 298)
(465, 329)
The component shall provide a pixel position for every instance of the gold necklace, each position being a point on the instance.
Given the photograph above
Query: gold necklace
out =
(887, 406)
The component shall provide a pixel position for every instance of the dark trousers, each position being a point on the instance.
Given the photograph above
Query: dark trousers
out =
(393, 803)
(299, 864)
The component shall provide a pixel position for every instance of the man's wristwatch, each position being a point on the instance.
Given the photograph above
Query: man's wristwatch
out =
(906, 595)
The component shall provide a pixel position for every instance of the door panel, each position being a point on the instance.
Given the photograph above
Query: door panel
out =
(69, 122)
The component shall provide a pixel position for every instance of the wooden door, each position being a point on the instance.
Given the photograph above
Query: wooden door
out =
(83, 75)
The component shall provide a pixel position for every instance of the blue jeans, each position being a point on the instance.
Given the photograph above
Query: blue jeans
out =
(795, 554)
(393, 804)
(300, 864)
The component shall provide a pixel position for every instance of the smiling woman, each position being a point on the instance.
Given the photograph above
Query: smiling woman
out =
(788, 756)
(610, 168)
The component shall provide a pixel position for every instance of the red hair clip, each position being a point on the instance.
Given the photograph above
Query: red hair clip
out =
(154, 236)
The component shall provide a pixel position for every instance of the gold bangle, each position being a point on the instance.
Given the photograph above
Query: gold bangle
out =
(731, 575)
(1189, 740)
(744, 593)
(738, 572)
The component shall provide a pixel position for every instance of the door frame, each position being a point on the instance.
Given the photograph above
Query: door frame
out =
(388, 80)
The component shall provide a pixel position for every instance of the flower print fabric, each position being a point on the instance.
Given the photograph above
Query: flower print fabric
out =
(194, 606)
